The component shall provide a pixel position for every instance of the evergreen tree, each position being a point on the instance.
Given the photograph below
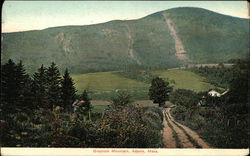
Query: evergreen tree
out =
(68, 90)
(85, 97)
(22, 85)
(40, 87)
(159, 91)
(14, 83)
(54, 86)
(26, 98)
(9, 91)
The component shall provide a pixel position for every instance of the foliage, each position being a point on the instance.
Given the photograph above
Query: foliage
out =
(54, 86)
(85, 97)
(122, 98)
(124, 127)
(183, 97)
(120, 127)
(68, 90)
(222, 121)
(40, 88)
(159, 91)
(153, 117)
(43, 90)
(15, 87)
(219, 76)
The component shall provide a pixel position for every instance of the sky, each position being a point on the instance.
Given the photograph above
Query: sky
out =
(37, 15)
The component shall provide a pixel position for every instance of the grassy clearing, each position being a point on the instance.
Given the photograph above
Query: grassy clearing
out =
(185, 80)
(99, 109)
(106, 82)
(103, 85)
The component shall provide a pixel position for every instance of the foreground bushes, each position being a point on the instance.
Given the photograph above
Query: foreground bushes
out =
(120, 127)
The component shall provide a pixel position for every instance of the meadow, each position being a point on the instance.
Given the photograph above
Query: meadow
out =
(103, 85)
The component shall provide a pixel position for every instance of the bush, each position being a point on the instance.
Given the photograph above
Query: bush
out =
(121, 126)
(124, 127)
(122, 98)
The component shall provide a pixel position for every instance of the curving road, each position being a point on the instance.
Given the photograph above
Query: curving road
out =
(176, 135)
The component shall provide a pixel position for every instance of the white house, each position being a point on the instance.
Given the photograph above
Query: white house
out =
(214, 93)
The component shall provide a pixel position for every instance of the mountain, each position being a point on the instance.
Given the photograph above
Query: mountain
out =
(161, 40)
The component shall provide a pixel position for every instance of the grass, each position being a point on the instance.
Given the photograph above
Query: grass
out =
(105, 82)
(185, 80)
(104, 85)
(99, 109)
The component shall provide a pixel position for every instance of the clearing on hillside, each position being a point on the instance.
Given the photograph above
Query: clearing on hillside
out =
(105, 84)
(185, 80)
(106, 81)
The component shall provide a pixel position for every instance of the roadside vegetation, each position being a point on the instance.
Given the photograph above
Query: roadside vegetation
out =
(218, 76)
(221, 121)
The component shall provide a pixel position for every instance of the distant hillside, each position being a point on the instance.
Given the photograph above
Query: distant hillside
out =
(193, 35)
(209, 37)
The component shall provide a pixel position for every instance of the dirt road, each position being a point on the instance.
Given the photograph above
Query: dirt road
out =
(176, 135)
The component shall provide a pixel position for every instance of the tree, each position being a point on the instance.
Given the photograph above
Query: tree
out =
(40, 87)
(15, 86)
(237, 100)
(23, 86)
(121, 99)
(184, 97)
(9, 91)
(68, 90)
(54, 86)
(159, 91)
(87, 104)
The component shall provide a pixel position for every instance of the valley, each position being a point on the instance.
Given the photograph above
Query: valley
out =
(176, 78)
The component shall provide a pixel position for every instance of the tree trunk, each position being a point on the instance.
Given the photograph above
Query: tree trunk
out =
(161, 104)
(90, 116)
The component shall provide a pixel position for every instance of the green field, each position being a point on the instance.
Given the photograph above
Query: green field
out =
(185, 80)
(105, 81)
(103, 85)
(99, 109)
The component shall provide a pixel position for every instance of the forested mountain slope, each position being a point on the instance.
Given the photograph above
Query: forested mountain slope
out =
(206, 37)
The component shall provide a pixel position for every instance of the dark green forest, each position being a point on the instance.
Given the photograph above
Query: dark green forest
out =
(36, 111)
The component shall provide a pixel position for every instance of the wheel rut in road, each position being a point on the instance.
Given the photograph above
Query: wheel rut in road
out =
(168, 136)
(191, 133)
(176, 135)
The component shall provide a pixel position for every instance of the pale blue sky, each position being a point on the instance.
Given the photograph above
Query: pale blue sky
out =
(33, 15)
